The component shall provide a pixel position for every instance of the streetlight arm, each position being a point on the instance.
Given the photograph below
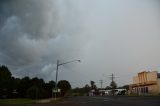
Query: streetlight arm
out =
(68, 62)
(59, 64)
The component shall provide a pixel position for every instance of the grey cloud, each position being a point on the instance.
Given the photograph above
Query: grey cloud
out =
(120, 37)
(33, 34)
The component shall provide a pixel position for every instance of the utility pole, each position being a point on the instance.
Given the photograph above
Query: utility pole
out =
(56, 79)
(113, 84)
(101, 82)
(59, 64)
(112, 77)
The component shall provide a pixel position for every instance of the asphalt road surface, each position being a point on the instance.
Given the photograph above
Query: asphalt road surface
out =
(105, 101)
(114, 101)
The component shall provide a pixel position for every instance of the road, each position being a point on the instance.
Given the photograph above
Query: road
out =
(105, 101)
(114, 101)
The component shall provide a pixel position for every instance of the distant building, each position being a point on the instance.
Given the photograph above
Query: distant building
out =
(108, 92)
(91, 93)
(146, 83)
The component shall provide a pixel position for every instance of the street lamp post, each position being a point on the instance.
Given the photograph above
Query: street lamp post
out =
(59, 64)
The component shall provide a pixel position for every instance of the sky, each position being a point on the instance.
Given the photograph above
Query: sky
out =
(108, 36)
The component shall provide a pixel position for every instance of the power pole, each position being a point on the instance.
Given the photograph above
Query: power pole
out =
(112, 77)
(101, 82)
(56, 89)
(59, 64)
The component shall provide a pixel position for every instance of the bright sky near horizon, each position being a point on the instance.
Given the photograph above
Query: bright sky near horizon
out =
(108, 36)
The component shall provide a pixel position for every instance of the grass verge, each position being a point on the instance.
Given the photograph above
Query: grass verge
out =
(58, 100)
(16, 101)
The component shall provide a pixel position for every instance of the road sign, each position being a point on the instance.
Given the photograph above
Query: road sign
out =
(55, 90)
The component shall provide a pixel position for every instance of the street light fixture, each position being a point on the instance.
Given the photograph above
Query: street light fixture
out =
(59, 64)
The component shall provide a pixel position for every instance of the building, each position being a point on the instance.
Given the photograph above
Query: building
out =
(118, 91)
(146, 83)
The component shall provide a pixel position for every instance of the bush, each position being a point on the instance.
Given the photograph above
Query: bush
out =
(33, 92)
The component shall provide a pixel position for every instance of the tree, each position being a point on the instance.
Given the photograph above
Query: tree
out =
(11, 87)
(5, 77)
(5, 72)
(37, 82)
(126, 87)
(33, 92)
(93, 86)
(49, 87)
(113, 87)
(87, 88)
(5, 81)
(64, 86)
(23, 86)
(108, 87)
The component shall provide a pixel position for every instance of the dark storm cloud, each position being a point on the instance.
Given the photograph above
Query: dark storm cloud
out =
(33, 35)
(24, 25)
(32, 15)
